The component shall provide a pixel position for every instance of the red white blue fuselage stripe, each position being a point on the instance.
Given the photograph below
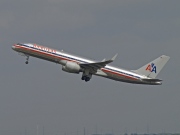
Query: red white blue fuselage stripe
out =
(60, 55)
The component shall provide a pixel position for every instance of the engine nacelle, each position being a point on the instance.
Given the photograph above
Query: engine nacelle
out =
(71, 67)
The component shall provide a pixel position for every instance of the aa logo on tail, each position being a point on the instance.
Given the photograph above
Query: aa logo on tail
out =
(151, 67)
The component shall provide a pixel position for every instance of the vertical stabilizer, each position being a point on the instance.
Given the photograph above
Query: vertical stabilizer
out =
(153, 68)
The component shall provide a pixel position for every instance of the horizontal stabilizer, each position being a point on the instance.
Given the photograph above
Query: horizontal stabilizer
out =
(152, 80)
(114, 57)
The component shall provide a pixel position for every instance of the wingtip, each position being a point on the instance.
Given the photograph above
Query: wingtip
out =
(103, 60)
(114, 57)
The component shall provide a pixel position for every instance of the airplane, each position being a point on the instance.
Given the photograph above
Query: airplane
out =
(75, 64)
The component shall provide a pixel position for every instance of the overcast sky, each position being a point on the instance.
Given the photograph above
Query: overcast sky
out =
(42, 94)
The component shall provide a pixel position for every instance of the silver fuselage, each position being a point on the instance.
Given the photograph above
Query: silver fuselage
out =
(62, 57)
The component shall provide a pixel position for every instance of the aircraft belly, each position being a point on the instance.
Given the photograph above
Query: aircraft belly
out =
(114, 77)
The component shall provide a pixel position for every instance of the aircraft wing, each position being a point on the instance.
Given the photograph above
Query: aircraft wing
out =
(97, 65)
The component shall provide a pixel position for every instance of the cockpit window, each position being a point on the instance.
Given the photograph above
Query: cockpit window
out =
(19, 44)
(24, 44)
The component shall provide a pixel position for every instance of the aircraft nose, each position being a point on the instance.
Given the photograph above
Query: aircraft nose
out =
(13, 47)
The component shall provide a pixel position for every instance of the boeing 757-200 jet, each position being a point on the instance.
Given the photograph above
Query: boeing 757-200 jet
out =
(75, 64)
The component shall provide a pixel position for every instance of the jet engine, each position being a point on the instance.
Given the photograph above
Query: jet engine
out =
(71, 67)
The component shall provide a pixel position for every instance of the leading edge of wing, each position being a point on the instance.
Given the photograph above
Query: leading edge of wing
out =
(98, 65)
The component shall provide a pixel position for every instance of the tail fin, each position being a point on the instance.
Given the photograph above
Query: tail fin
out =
(153, 68)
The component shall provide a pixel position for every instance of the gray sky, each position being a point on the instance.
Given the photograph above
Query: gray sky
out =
(42, 94)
